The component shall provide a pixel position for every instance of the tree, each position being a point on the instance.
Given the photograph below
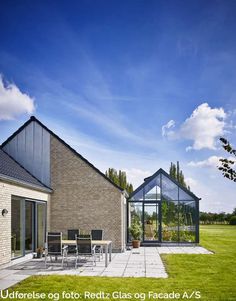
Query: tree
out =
(226, 165)
(120, 179)
(217, 218)
(232, 220)
(171, 170)
(203, 217)
(176, 173)
(181, 179)
(129, 188)
(111, 173)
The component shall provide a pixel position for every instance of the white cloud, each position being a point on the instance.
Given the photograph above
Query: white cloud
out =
(136, 176)
(203, 127)
(165, 130)
(191, 182)
(13, 102)
(212, 161)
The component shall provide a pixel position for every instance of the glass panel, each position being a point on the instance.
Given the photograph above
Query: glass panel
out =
(41, 224)
(16, 228)
(152, 190)
(151, 224)
(29, 226)
(187, 221)
(138, 196)
(169, 221)
(183, 196)
(135, 214)
(169, 189)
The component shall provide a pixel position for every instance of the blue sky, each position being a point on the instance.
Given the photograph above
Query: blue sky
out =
(129, 84)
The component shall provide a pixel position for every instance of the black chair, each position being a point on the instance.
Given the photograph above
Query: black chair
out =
(54, 247)
(84, 235)
(97, 234)
(71, 235)
(84, 248)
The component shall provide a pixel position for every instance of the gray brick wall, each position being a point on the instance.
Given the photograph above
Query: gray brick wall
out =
(82, 198)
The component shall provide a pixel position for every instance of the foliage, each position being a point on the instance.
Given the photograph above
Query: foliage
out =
(232, 220)
(167, 235)
(136, 214)
(120, 179)
(213, 275)
(216, 218)
(176, 215)
(173, 236)
(169, 212)
(176, 173)
(39, 250)
(226, 165)
(135, 230)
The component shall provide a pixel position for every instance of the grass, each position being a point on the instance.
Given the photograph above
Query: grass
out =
(214, 276)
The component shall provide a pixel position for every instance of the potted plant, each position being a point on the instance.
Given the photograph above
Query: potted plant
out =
(136, 232)
(39, 252)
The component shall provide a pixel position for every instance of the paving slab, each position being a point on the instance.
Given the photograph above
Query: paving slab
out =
(113, 274)
(90, 273)
(4, 284)
(142, 262)
(4, 273)
(135, 274)
(27, 272)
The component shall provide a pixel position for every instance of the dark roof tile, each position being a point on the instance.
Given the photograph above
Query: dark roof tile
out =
(13, 170)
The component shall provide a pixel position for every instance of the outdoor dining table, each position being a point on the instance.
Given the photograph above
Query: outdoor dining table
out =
(107, 244)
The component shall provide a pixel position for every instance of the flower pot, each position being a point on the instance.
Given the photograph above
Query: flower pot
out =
(39, 255)
(136, 243)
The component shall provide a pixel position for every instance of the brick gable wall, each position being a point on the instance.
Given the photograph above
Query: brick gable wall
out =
(82, 198)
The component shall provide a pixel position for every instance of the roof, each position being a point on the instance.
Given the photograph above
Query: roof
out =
(33, 118)
(11, 170)
(161, 171)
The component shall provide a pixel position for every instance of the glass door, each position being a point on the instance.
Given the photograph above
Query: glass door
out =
(41, 224)
(29, 226)
(151, 222)
(16, 228)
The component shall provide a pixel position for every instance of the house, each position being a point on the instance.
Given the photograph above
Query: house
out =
(46, 185)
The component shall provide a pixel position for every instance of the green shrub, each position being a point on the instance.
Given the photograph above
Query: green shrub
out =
(135, 230)
(232, 220)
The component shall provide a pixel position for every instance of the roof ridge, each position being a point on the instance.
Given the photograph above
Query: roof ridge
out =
(33, 118)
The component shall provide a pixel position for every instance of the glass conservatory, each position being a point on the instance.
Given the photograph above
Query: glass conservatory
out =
(165, 211)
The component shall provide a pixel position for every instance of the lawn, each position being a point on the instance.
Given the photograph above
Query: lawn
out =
(214, 276)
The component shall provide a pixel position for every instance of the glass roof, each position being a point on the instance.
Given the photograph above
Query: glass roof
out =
(161, 184)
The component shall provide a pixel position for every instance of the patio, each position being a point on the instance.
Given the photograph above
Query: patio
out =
(142, 262)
